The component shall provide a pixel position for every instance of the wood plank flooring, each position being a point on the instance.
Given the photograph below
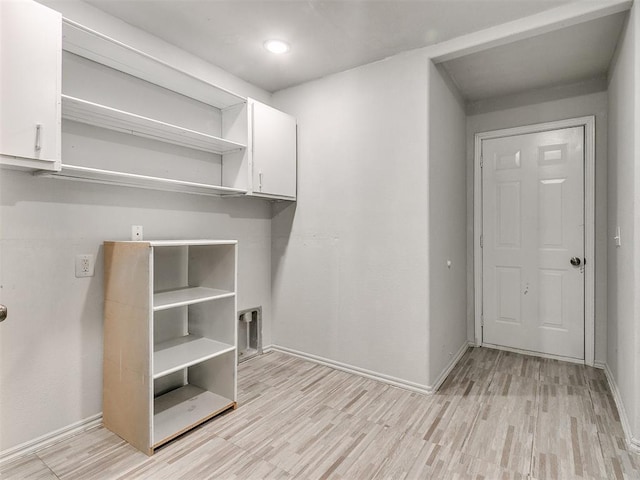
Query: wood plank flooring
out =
(499, 415)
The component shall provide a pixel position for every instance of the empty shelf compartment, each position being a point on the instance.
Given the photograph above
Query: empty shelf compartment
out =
(186, 296)
(182, 409)
(182, 352)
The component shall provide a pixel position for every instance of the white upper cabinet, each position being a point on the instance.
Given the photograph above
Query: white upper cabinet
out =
(273, 152)
(30, 85)
(250, 148)
(70, 95)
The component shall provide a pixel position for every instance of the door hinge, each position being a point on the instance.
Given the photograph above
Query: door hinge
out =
(481, 162)
(481, 241)
(482, 320)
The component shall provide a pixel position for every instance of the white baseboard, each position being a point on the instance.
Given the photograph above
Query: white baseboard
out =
(452, 363)
(632, 442)
(49, 439)
(396, 382)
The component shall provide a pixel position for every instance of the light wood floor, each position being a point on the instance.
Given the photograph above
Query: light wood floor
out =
(498, 416)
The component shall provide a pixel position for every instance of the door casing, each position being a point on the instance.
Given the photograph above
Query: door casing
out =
(588, 123)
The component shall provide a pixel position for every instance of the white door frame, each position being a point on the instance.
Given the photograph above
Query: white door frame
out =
(589, 217)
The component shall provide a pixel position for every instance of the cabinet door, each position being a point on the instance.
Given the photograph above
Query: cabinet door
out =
(273, 152)
(30, 79)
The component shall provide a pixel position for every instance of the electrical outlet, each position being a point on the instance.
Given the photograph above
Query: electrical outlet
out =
(85, 265)
(136, 232)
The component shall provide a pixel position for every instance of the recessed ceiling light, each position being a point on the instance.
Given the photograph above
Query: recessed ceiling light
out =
(277, 46)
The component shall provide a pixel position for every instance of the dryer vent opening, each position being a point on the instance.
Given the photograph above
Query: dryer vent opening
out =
(249, 333)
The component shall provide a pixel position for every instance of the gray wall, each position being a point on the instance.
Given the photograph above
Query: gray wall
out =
(350, 259)
(447, 223)
(623, 353)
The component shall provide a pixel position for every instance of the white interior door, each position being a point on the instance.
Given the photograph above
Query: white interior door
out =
(533, 226)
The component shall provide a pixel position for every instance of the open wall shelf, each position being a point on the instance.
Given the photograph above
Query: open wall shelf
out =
(101, 48)
(79, 77)
(124, 179)
(103, 116)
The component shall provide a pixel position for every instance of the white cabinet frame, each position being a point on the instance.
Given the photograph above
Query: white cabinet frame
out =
(196, 362)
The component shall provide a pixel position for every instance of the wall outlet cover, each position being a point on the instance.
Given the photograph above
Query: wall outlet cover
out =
(136, 233)
(85, 265)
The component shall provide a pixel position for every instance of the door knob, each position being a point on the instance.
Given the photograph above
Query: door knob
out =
(575, 261)
(3, 312)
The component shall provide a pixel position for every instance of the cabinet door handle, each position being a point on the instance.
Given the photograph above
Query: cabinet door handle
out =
(260, 181)
(3, 313)
(38, 130)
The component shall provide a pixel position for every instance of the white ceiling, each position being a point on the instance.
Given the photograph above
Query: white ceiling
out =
(567, 56)
(327, 36)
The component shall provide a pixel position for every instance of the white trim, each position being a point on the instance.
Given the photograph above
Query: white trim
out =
(396, 382)
(547, 21)
(588, 122)
(632, 443)
(49, 439)
(589, 239)
(477, 232)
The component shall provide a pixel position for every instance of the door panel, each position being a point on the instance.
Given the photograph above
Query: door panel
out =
(273, 151)
(533, 223)
(509, 307)
(550, 302)
(508, 214)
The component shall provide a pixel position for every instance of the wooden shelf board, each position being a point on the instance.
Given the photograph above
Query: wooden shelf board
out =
(184, 408)
(83, 111)
(111, 177)
(179, 353)
(187, 296)
(101, 48)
